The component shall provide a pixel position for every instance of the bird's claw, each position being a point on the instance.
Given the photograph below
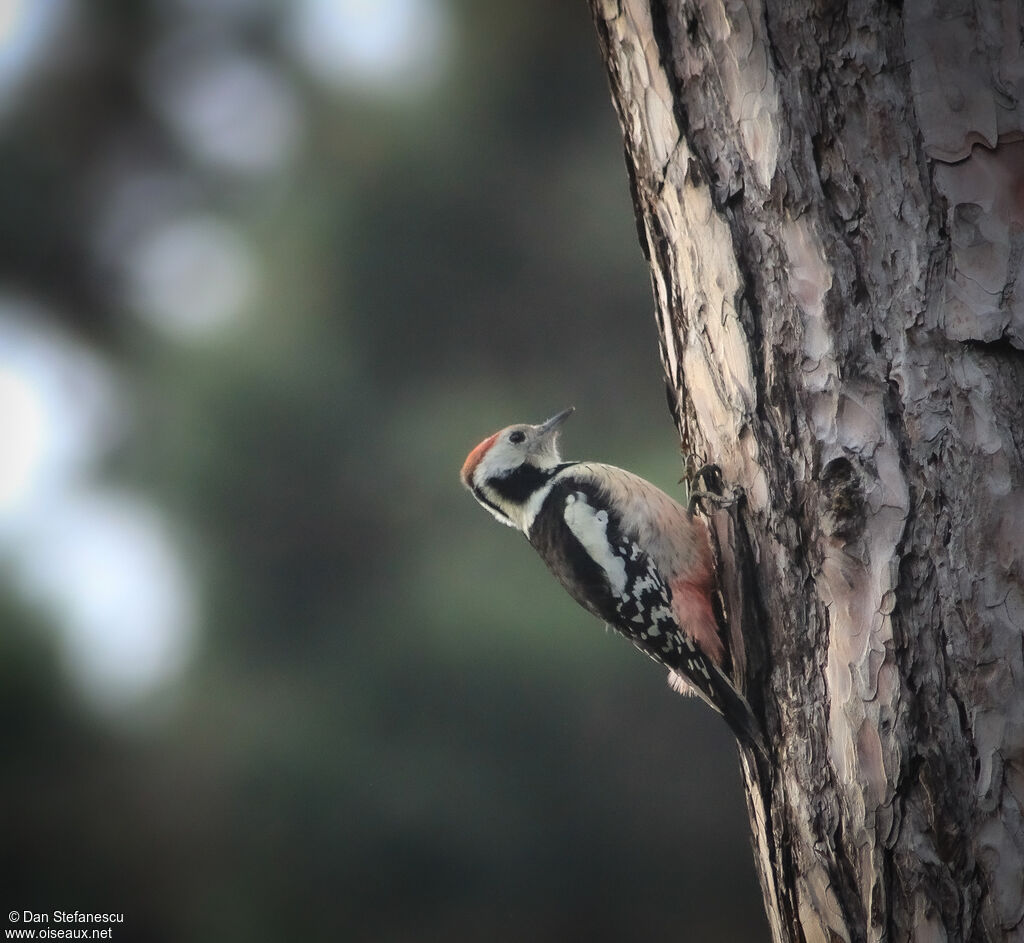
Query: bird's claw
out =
(711, 475)
(702, 499)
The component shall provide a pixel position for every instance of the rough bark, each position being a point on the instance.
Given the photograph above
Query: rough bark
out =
(831, 198)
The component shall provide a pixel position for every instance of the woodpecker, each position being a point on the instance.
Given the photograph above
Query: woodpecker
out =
(622, 548)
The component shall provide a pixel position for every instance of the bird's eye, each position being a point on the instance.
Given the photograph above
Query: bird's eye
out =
(516, 437)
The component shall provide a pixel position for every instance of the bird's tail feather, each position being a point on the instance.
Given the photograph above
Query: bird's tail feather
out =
(738, 715)
(727, 701)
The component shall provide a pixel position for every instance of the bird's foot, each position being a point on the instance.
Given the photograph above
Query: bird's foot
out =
(706, 499)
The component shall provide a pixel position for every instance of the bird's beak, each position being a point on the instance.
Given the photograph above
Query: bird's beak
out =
(547, 428)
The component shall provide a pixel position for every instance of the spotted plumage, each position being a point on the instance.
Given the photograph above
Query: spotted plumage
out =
(622, 548)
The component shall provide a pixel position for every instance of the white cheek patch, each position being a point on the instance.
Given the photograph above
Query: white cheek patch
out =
(590, 528)
(491, 503)
(500, 516)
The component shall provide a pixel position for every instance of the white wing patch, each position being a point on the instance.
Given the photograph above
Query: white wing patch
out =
(590, 527)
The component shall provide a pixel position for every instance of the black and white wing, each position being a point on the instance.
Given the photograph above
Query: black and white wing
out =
(579, 537)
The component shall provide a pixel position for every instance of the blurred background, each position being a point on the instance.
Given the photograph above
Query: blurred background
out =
(268, 270)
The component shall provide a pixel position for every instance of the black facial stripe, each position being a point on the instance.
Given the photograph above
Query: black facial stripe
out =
(478, 493)
(519, 484)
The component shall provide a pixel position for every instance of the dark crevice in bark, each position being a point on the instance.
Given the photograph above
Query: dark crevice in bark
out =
(662, 20)
(692, 24)
(670, 393)
(906, 591)
(662, 24)
(748, 308)
(1013, 267)
(662, 261)
(888, 920)
(758, 653)
(700, 168)
(1003, 348)
(843, 506)
(634, 194)
(735, 199)
(843, 872)
(787, 873)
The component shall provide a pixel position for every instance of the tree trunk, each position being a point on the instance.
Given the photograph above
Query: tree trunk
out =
(831, 198)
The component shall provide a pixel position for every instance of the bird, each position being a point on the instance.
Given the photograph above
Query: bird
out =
(623, 549)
